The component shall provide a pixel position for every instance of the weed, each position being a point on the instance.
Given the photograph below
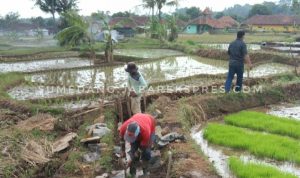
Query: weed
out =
(186, 116)
(260, 144)
(264, 122)
(251, 170)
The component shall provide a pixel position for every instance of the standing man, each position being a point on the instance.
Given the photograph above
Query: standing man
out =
(238, 54)
(136, 84)
(139, 131)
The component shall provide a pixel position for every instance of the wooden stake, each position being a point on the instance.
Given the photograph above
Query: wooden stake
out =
(145, 101)
(120, 110)
(169, 164)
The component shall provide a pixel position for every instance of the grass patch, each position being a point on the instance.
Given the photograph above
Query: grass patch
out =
(251, 170)
(261, 145)
(31, 50)
(264, 122)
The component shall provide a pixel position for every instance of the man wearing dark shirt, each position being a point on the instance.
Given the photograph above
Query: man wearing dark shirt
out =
(238, 54)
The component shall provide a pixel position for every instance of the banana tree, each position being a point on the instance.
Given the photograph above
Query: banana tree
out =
(76, 33)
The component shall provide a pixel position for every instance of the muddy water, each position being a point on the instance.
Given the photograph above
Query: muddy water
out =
(30, 66)
(148, 53)
(286, 110)
(154, 71)
(285, 48)
(220, 160)
(224, 46)
(36, 92)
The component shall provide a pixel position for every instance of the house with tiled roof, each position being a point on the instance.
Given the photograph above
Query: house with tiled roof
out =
(273, 23)
(205, 23)
(127, 26)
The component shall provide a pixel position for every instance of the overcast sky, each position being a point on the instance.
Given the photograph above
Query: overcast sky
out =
(26, 8)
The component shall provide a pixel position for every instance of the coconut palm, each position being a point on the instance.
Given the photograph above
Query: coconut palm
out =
(151, 5)
(161, 3)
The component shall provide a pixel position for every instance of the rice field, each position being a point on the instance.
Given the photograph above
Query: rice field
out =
(259, 144)
(264, 122)
(251, 170)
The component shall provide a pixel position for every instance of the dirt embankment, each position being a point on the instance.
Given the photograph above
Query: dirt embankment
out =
(38, 56)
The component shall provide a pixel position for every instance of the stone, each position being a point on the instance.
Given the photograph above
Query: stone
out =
(102, 131)
(105, 175)
(90, 140)
(91, 157)
(63, 142)
(117, 150)
(97, 125)
(118, 174)
(94, 147)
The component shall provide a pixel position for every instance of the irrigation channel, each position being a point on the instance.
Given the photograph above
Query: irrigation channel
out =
(219, 156)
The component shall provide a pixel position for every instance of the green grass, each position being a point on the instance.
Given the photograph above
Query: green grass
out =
(259, 144)
(252, 170)
(264, 122)
(226, 38)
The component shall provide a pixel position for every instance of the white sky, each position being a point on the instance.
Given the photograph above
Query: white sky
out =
(26, 8)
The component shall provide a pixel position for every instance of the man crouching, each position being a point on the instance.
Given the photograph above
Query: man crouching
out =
(139, 131)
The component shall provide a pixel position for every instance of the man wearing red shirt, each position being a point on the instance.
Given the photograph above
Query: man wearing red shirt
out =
(139, 131)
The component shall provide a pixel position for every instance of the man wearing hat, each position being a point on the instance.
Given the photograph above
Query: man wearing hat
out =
(139, 131)
(136, 84)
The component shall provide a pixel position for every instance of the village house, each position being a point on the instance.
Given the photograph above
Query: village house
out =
(273, 23)
(129, 26)
(205, 23)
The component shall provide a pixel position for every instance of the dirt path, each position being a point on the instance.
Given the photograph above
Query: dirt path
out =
(188, 161)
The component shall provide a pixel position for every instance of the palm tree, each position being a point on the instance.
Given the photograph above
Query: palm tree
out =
(48, 6)
(151, 5)
(161, 3)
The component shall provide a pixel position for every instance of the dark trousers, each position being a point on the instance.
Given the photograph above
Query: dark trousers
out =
(146, 156)
(239, 71)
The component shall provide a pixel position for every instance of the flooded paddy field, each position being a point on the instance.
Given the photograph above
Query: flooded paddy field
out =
(224, 46)
(73, 82)
(154, 71)
(39, 65)
(288, 110)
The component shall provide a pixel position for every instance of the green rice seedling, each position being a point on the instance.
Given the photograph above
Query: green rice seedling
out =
(259, 144)
(264, 122)
(254, 170)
